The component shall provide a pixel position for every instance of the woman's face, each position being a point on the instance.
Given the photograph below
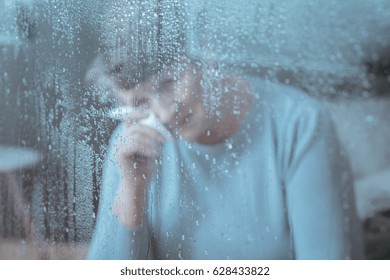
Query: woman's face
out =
(176, 99)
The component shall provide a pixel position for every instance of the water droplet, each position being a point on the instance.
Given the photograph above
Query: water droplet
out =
(229, 145)
(371, 119)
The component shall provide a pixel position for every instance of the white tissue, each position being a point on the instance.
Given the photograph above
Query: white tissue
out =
(121, 113)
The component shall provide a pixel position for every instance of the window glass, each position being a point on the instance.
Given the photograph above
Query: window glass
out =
(224, 114)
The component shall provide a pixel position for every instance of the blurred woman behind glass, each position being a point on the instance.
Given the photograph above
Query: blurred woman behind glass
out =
(252, 169)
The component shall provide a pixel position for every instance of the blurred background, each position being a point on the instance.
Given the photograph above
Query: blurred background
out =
(53, 124)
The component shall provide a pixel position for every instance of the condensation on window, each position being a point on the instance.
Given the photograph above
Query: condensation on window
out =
(72, 72)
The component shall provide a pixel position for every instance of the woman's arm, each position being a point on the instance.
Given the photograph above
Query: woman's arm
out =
(113, 238)
(137, 147)
(319, 192)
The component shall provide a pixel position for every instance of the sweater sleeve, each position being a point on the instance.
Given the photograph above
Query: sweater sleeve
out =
(111, 239)
(319, 191)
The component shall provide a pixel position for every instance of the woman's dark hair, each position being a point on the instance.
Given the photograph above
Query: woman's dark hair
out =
(140, 38)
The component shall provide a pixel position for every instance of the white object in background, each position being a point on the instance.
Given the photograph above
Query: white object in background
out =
(121, 113)
(373, 194)
(14, 158)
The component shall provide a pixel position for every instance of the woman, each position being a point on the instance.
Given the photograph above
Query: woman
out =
(255, 170)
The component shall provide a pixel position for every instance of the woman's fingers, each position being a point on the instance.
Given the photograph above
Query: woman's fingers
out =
(134, 116)
(138, 132)
(140, 141)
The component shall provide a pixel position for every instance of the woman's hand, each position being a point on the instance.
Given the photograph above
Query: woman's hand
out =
(137, 150)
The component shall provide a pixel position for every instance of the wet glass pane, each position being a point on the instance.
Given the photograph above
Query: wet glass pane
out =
(169, 129)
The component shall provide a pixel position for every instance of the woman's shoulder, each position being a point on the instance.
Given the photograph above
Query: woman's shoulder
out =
(286, 105)
(292, 117)
(290, 99)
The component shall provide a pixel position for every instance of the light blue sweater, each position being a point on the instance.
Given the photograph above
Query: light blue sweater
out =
(279, 188)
